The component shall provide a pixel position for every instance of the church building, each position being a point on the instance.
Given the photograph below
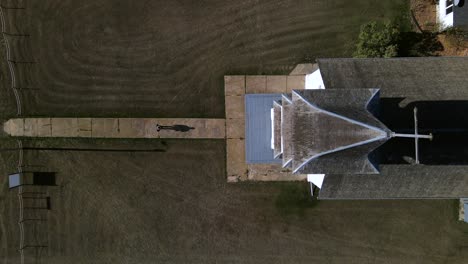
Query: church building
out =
(369, 128)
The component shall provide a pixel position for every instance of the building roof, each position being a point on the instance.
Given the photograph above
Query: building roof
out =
(355, 160)
(465, 210)
(460, 17)
(441, 79)
(399, 182)
(357, 104)
(333, 131)
(425, 78)
(286, 130)
(258, 130)
(277, 129)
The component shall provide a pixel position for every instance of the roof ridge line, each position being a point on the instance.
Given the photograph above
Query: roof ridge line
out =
(339, 149)
(340, 116)
(285, 164)
(382, 132)
(284, 96)
(377, 90)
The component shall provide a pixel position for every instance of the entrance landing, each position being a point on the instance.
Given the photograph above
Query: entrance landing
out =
(236, 87)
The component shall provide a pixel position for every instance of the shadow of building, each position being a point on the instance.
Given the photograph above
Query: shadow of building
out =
(446, 120)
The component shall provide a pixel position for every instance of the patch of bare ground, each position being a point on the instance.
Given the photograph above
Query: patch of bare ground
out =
(454, 45)
(425, 13)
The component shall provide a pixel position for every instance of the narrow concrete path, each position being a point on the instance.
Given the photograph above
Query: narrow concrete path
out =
(115, 127)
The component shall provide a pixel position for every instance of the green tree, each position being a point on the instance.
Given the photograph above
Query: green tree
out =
(378, 40)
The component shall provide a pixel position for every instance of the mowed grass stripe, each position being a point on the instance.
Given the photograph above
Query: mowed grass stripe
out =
(172, 62)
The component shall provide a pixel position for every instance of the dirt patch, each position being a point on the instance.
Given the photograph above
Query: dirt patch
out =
(453, 45)
(425, 12)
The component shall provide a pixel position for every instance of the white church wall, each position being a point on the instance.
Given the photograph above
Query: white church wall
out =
(316, 179)
(445, 20)
(272, 116)
(314, 80)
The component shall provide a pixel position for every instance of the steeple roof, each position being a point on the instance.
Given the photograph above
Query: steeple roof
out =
(333, 131)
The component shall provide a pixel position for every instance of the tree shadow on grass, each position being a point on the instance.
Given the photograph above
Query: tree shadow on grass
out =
(415, 44)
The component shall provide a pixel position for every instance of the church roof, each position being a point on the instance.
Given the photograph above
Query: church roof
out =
(428, 77)
(399, 182)
(460, 17)
(277, 151)
(333, 131)
(286, 129)
(415, 79)
(258, 128)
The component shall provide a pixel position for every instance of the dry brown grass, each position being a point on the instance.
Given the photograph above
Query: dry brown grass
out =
(168, 58)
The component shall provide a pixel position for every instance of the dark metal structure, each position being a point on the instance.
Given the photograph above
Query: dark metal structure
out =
(31, 178)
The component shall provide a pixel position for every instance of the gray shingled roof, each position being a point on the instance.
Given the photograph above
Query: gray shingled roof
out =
(286, 130)
(277, 129)
(415, 79)
(327, 124)
(355, 103)
(428, 78)
(258, 128)
(356, 160)
(465, 210)
(460, 16)
(399, 182)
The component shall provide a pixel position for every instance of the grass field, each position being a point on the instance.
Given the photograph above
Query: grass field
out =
(167, 59)
(175, 207)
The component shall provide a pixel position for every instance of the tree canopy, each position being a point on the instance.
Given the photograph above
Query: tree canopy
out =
(378, 40)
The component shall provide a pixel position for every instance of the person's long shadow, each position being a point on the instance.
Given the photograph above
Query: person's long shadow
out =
(178, 128)
(446, 120)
